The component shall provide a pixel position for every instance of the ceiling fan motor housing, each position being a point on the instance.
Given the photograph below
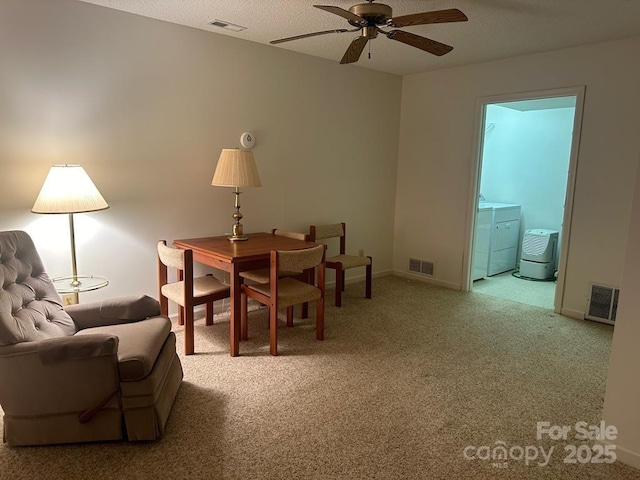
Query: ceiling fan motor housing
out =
(373, 13)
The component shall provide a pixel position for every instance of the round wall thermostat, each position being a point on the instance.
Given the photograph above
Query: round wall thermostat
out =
(247, 140)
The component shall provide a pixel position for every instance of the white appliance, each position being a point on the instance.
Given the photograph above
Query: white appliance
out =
(481, 241)
(538, 259)
(504, 238)
(496, 238)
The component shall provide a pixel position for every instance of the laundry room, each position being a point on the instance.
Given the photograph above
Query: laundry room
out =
(524, 170)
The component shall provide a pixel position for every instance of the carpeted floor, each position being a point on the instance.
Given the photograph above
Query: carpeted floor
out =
(402, 384)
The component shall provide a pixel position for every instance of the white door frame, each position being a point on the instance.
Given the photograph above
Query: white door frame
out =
(476, 172)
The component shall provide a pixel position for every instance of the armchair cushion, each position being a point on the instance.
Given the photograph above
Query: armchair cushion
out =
(113, 311)
(139, 344)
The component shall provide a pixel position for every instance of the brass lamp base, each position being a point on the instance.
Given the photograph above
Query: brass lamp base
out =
(238, 238)
(238, 232)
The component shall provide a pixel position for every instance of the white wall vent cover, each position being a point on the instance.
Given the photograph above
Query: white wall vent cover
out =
(602, 305)
(421, 266)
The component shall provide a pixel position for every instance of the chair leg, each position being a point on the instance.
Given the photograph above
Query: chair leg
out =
(339, 285)
(209, 314)
(343, 280)
(320, 319)
(368, 278)
(305, 306)
(244, 322)
(273, 330)
(180, 315)
(164, 306)
(290, 316)
(189, 347)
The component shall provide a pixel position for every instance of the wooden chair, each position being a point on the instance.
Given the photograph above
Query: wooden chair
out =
(282, 292)
(342, 261)
(261, 275)
(187, 291)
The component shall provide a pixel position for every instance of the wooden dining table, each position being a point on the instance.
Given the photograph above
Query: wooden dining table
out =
(235, 257)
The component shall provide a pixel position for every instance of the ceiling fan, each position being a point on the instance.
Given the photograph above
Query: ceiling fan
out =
(369, 17)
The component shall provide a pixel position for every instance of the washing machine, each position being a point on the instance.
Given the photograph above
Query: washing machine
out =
(504, 237)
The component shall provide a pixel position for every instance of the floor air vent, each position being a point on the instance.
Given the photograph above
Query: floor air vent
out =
(602, 305)
(421, 266)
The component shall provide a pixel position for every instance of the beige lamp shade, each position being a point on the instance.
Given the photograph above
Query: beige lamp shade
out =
(236, 168)
(68, 189)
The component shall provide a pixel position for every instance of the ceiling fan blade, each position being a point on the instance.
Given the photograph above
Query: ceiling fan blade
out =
(355, 50)
(423, 43)
(352, 17)
(438, 16)
(298, 37)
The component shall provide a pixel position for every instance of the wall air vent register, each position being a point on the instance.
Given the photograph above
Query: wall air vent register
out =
(602, 305)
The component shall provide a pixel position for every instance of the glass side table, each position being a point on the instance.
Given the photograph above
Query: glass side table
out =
(70, 285)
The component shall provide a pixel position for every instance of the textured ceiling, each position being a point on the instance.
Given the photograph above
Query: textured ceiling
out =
(496, 28)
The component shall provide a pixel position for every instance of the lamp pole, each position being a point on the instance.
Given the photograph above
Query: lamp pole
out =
(74, 269)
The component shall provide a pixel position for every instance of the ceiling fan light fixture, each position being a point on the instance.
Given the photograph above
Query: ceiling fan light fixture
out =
(370, 32)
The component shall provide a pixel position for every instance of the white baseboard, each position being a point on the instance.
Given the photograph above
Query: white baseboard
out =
(426, 279)
(624, 455)
(567, 312)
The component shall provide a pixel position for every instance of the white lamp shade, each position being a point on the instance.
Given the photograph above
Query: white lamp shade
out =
(68, 189)
(236, 168)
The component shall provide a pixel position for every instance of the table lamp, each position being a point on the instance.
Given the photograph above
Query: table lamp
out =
(68, 189)
(236, 168)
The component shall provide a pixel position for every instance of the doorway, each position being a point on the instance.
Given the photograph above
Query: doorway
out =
(527, 154)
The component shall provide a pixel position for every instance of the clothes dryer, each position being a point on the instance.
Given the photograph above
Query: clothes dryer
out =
(504, 238)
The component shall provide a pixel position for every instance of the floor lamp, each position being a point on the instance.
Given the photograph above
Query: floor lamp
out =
(236, 168)
(68, 189)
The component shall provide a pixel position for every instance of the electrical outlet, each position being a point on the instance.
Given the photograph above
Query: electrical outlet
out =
(69, 299)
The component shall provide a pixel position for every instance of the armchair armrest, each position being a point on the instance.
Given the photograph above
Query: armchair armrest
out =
(58, 375)
(113, 311)
(58, 350)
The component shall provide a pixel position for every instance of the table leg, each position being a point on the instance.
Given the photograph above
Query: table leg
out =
(234, 321)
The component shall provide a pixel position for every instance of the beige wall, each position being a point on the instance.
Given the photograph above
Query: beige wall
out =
(623, 389)
(146, 106)
(436, 161)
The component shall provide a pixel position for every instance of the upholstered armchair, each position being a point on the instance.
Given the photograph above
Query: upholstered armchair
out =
(88, 372)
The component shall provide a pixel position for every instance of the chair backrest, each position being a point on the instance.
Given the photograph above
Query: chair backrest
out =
(296, 235)
(182, 261)
(30, 307)
(333, 230)
(171, 257)
(298, 260)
